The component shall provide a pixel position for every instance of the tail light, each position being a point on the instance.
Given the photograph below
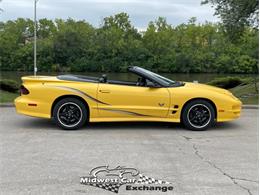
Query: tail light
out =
(24, 91)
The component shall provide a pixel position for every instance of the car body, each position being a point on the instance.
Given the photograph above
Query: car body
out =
(151, 98)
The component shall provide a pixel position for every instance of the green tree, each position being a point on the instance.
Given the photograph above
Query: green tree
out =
(70, 45)
(71, 41)
(236, 14)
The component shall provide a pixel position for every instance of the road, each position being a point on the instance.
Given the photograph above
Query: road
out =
(38, 158)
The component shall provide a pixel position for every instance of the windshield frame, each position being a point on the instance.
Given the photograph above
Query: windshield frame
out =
(154, 77)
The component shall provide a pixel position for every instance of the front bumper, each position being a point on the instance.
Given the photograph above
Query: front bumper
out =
(230, 112)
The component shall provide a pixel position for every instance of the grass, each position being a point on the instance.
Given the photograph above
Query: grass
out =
(7, 96)
(246, 93)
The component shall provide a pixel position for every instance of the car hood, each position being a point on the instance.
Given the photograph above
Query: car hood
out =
(207, 87)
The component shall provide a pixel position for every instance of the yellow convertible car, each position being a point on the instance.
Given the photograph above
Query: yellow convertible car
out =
(73, 100)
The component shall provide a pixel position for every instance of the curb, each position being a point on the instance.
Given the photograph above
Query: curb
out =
(243, 107)
(6, 104)
(250, 107)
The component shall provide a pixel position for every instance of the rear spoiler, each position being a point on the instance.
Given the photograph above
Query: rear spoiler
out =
(36, 79)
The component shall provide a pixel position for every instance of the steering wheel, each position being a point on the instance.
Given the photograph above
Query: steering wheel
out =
(141, 82)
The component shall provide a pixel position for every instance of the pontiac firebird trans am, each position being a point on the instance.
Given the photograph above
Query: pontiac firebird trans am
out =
(73, 100)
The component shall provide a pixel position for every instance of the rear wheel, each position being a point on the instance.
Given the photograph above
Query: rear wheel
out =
(198, 115)
(70, 113)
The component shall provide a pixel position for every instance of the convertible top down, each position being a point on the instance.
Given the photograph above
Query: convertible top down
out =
(73, 100)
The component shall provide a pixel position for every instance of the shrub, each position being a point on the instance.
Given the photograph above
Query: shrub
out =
(9, 85)
(227, 82)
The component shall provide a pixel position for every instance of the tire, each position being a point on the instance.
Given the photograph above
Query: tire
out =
(198, 115)
(70, 114)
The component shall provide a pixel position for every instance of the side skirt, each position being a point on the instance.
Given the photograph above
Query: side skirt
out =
(134, 119)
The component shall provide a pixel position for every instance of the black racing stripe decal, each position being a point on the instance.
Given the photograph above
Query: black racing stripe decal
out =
(81, 93)
(124, 112)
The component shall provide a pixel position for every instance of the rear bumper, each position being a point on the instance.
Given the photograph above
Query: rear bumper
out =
(26, 106)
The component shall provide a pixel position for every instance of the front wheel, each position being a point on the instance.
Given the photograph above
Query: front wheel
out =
(70, 114)
(198, 115)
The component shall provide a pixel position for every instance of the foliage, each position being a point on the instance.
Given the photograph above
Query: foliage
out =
(6, 96)
(9, 85)
(69, 45)
(248, 93)
(236, 14)
(229, 82)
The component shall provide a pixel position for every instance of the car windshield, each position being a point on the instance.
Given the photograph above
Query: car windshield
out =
(165, 80)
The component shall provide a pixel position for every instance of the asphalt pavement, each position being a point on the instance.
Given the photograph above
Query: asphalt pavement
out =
(38, 158)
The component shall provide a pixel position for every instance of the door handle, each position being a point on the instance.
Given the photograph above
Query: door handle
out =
(104, 91)
(161, 104)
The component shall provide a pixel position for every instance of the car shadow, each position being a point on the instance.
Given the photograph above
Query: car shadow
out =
(46, 124)
(38, 123)
(231, 125)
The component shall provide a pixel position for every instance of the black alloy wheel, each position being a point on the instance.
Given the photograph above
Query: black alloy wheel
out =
(70, 113)
(198, 115)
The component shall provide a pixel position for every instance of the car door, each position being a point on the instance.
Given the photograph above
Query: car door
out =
(122, 101)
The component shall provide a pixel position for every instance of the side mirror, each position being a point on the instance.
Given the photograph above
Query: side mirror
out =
(103, 79)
